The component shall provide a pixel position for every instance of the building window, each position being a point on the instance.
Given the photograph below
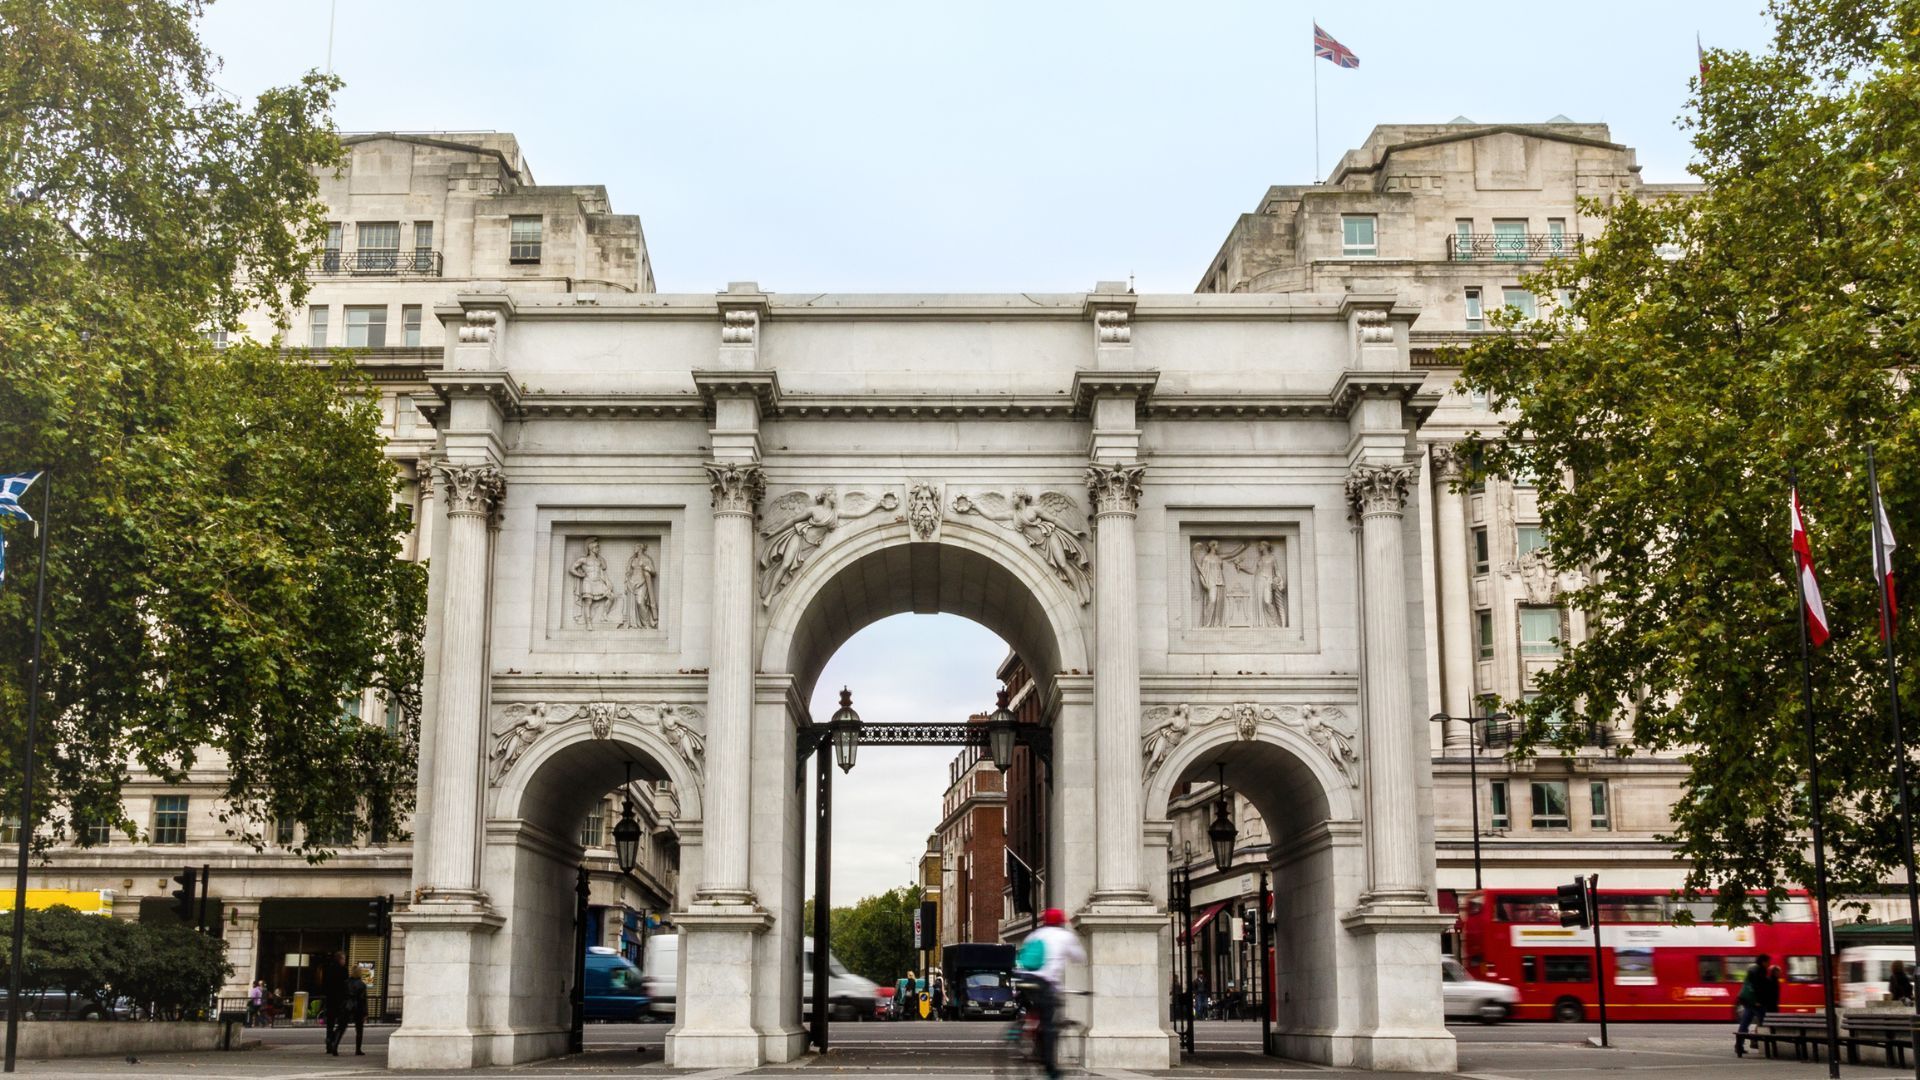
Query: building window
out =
(317, 327)
(1539, 631)
(1563, 299)
(1557, 236)
(1481, 558)
(379, 238)
(1476, 314)
(350, 709)
(393, 714)
(1549, 804)
(1602, 811)
(1521, 301)
(283, 832)
(410, 325)
(170, 819)
(366, 328)
(1483, 624)
(1510, 239)
(9, 830)
(593, 831)
(422, 237)
(523, 239)
(99, 832)
(1357, 236)
(216, 336)
(1497, 801)
(330, 262)
(1531, 538)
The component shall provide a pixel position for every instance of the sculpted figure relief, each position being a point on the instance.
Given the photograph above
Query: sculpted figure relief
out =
(1050, 523)
(1165, 725)
(1240, 583)
(643, 608)
(592, 589)
(800, 524)
(923, 510)
(1326, 726)
(685, 741)
(518, 726)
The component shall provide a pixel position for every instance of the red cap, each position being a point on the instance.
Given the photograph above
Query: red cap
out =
(1054, 917)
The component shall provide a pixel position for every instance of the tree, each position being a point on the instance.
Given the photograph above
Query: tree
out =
(224, 548)
(1708, 347)
(874, 937)
(166, 970)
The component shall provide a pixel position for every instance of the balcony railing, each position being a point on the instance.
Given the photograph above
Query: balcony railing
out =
(382, 262)
(1496, 734)
(1511, 247)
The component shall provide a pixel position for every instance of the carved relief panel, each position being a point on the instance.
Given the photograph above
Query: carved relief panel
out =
(607, 580)
(613, 582)
(1240, 581)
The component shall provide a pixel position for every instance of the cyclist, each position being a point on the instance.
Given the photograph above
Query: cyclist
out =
(1057, 944)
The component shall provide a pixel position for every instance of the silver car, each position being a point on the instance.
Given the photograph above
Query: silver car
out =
(1468, 998)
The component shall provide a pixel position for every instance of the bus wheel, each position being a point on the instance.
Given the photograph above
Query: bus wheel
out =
(1569, 1010)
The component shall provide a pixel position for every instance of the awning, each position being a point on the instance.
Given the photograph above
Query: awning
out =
(1200, 922)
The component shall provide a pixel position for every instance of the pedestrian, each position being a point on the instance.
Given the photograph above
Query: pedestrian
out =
(1900, 984)
(333, 996)
(938, 988)
(1056, 944)
(1175, 1006)
(1751, 1006)
(256, 1000)
(1200, 995)
(356, 1012)
(906, 996)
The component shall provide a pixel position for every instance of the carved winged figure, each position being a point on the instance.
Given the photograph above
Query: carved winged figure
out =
(1050, 523)
(680, 735)
(799, 525)
(1166, 725)
(1336, 744)
(514, 730)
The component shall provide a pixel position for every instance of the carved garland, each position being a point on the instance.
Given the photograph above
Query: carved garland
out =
(518, 726)
(1328, 726)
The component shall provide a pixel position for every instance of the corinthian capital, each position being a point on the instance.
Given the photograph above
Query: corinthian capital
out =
(1114, 489)
(1377, 489)
(737, 486)
(470, 489)
(1449, 464)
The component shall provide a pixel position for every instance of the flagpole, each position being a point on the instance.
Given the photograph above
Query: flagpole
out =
(1813, 788)
(44, 527)
(1883, 566)
(1316, 109)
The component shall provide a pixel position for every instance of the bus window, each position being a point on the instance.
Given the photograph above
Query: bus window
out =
(1709, 968)
(1527, 908)
(1726, 969)
(1568, 969)
(1631, 909)
(1854, 972)
(1529, 970)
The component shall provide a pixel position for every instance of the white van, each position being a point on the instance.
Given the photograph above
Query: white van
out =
(660, 966)
(1864, 970)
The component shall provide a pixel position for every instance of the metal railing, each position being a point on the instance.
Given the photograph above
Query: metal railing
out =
(1502, 733)
(379, 262)
(1511, 247)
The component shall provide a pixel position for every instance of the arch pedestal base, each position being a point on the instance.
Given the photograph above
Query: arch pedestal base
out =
(713, 1027)
(1125, 1015)
(1402, 1024)
(448, 946)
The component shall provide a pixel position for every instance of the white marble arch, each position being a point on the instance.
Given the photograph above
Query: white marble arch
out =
(529, 855)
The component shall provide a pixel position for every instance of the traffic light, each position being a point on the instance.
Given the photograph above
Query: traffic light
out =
(1574, 907)
(183, 897)
(377, 915)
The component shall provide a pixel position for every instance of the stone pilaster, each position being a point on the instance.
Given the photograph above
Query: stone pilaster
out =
(737, 490)
(1377, 496)
(1456, 608)
(1115, 493)
(472, 492)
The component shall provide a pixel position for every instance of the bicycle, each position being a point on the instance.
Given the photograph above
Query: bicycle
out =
(1019, 1044)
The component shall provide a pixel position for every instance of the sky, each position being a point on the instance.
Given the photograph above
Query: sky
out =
(977, 145)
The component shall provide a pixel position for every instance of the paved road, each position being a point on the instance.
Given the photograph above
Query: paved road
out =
(1228, 1051)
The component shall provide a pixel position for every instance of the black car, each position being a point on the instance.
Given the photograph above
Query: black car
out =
(985, 995)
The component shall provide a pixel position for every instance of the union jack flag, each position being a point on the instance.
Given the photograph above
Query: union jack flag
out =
(1325, 48)
(11, 490)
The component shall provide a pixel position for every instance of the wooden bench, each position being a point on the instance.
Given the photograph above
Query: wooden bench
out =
(1803, 1031)
(1891, 1033)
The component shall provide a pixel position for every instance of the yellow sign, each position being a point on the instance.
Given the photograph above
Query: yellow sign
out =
(88, 901)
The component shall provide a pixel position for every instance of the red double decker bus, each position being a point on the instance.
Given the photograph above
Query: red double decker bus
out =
(1656, 968)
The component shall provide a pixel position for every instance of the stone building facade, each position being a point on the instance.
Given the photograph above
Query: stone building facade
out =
(415, 220)
(973, 846)
(1449, 217)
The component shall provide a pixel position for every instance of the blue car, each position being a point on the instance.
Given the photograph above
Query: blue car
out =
(613, 986)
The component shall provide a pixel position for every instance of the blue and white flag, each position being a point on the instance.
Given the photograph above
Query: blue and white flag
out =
(12, 489)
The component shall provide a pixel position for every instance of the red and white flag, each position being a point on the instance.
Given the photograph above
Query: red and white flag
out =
(1816, 612)
(1883, 558)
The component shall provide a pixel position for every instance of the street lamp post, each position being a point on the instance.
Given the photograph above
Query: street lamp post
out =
(1473, 774)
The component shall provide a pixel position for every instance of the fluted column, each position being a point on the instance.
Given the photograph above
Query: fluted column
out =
(1115, 492)
(1456, 608)
(737, 488)
(471, 493)
(1377, 495)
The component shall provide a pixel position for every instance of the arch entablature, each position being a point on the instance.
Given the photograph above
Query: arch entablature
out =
(584, 752)
(981, 573)
(1297, 764)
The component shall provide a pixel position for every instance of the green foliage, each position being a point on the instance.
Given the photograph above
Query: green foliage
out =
(170, 970)
(224, 545)
(874, 937)
(1712, 345)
